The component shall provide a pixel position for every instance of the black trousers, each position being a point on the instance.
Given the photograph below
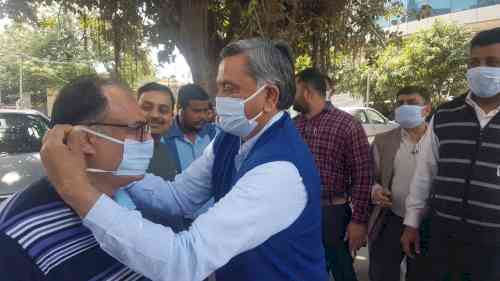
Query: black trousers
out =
(339, 261)
(386, 254)
(473, 261)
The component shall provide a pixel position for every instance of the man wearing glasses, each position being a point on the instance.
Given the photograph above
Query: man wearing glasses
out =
(266, 221)
(42, 238)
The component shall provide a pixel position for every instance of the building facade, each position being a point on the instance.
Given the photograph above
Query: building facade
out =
(476, 15)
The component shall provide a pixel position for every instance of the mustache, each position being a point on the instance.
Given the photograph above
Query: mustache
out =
(159, 121)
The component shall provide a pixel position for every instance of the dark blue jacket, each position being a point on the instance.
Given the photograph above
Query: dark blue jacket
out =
(296, 253)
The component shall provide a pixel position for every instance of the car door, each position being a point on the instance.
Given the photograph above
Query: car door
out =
(20, 142)
(379, 123)
(360, 115)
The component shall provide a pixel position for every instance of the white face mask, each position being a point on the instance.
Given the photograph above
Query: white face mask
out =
(135, 159)
(232, 117)
(484, 81)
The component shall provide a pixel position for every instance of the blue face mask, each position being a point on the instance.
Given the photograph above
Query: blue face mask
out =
(484, 81)
(135, 159)
(409, 116)
(232, 117)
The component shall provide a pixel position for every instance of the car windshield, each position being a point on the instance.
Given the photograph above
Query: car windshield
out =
(21, 133)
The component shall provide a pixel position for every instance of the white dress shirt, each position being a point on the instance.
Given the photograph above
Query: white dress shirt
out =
(404, 165)
(265, 201)
(426, 170)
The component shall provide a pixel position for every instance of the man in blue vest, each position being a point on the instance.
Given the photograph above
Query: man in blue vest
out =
(266, 222)
(463, 166)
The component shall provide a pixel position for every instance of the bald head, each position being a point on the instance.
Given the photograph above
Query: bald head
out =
(110, 108)
(122, 107)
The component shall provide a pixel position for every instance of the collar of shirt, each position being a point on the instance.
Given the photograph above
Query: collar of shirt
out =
(247, 146)
(407, 137)
(416, 147)
(176, 132)
(482, 116)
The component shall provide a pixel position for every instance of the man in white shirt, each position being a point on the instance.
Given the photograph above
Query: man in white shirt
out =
(462, 165)
(266, 222)
(395, 157)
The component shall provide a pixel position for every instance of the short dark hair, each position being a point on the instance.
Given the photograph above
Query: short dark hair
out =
(268, 62)
(211, 105)
(313, 78)
(153, 86)
(81, 100)
(410, 90)
(486, 38)
(191, 92)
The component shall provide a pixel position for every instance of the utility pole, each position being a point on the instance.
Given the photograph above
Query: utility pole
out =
(367, 98)
(25, 98)
(21, 81)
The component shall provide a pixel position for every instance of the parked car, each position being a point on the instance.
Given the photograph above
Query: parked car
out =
(21, 133)
(373, 121)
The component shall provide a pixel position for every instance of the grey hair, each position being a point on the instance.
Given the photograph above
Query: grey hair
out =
(268, 62)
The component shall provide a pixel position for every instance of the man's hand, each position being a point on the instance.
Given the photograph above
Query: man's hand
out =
(411, 241)
(356, 234)
(65, 166)
(382, 198)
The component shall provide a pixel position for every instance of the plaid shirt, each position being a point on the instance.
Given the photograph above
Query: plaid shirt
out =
(342, 153)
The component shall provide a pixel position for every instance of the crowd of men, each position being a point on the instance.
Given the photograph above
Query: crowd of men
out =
(241, 191)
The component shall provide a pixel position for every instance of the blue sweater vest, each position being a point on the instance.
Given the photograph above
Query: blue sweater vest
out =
(296, 253)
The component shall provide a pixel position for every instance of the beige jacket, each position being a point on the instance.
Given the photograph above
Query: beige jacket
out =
(387, 145)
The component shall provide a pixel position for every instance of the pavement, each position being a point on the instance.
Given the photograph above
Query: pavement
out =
(361, 264)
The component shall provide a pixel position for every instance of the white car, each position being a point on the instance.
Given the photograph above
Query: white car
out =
(373, 121)
(21, 133)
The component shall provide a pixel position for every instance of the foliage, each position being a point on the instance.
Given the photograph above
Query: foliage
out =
(48, 59)
(200, 28)
(435, 58)
(302, 62)
(52, 53)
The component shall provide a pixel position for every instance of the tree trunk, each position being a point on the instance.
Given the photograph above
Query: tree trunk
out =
(198, 42)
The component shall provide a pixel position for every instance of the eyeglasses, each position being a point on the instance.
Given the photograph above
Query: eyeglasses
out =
(140, 128)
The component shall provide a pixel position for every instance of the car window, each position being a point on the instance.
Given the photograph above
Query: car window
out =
(21, 133)
(360, 116)
(375, 117)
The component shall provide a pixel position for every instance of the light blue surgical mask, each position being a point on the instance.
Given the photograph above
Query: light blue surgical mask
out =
(232, 117)
(409, 116)
(484, 81)
(135, 159)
